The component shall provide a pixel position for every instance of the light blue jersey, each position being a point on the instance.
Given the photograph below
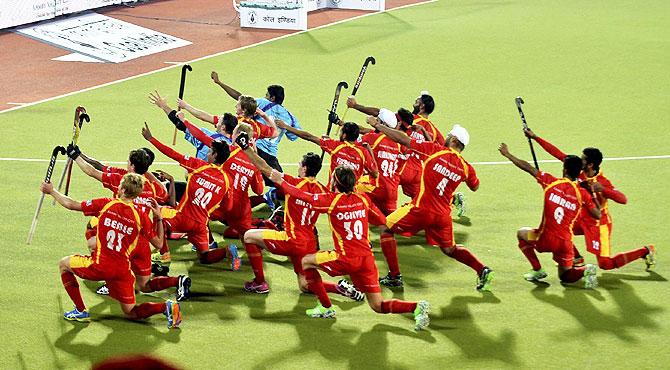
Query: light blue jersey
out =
(202, 149)
(270, 146)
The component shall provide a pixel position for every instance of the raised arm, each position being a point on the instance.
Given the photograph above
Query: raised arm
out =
(198, 134)
(157, 240)
(171, 191)
(547, 146)
(146, 133)
(371, 111)
(610, 192)
(63, 200)
(93, 162)
(197, 113)
(517, 162)
(75, 154)
(270, 122)
(299, 133)
(257, 160)
(229, 90)
(393, 134)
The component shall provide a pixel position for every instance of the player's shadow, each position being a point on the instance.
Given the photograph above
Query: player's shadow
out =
(335, 344)
(457, 324)
(632, 313)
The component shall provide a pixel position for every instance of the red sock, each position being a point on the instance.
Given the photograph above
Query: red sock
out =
(331, 287)
(164, 249)
(529, 252)
(162, 282)
(144, 310)
(231, 233)
(464, 256)
(390, 250)
(621, 259)
(213, 255)
(256, 261)
(397, 306)
(315, 286)
(72, 288)
(573, 274)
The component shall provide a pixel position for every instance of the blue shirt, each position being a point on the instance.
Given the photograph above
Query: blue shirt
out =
(270, 146)
(202, 149)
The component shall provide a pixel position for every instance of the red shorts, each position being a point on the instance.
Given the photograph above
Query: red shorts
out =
(196, 233)
(409, 220)
(561, 249)
(278, 242)
(121, 282)
(597, 238)
(235, 213)
(410, 178)
(361, 269)
(385, 199)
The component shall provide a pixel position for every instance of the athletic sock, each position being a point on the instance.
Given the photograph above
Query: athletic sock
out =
(572, 275)
(464, 256)
(397, 306)
(529, 252)
(162, 282)
(213, 255)
(256, 261)
(72, 288)
(315, 286)
(621, 259)
(165, 248)
(144, 310)
(390, 250)
(331, 287)
(231, 233)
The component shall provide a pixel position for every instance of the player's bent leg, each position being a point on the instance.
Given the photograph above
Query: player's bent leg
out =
(464, 256)
(71, 286)
(527, 237)
(253, 243)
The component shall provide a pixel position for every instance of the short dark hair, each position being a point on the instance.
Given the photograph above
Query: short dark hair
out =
(593, 156)
(277, 92)
(312, 164)
(229, 122)
(428, 103)
(151, 154)
(140, 160)
(351, 131)
(405, 116)
(221, 151)
(572, 165)
(345, 179)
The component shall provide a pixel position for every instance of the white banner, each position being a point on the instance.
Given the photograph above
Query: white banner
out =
(102, 37)
(377, 5)
(283, 19)
(18, 12)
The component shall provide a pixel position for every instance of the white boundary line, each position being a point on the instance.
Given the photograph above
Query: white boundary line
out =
(212, 56)
(39, 160)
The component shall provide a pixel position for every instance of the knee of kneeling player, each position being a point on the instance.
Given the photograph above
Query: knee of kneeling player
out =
(448, 250)
(606, 263)
(64, 264)
(376, 306)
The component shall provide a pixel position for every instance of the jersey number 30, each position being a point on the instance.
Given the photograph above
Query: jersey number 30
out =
(356, 232)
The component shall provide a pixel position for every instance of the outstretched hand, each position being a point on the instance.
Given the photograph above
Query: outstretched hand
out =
(276, 177)
(164, 176)
(146, 132)
(156, 99)
(351, 102)
(529, 133)
(503, 149)
(215, 77)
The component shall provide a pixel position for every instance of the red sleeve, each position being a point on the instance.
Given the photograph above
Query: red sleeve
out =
(369, 138)
(189, 163)
(215, 120)
(257, 183)
(551, 149)
(375, 216)
(94, 206)
(263, 131)
(544, 179)
(320, 202)
(472, 181)
(328, 144)
(425, 147)
(370, 163)
(160, 192)
(610, 192)
(147, 227)
(111, 181)
(587, 199)
(198, 134)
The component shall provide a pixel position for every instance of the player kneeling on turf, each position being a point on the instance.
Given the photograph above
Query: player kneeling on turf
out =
(121, 224)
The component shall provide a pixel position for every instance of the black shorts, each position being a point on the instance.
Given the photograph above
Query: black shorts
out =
(273, 162)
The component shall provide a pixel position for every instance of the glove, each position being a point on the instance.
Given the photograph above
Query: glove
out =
(333, 118)
(176, 121)
(242, 140)
(73, 151)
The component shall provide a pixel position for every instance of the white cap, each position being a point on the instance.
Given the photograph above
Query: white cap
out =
(460, 133)
(388, 118)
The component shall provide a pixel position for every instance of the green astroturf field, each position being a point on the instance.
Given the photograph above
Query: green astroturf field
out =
(592, 73)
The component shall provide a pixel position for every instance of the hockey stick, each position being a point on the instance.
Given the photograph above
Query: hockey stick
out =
(76, 130)
(182, 85)
(333, 108)
(47, 178)
(82, 117)
(361, 74)
(519, 101)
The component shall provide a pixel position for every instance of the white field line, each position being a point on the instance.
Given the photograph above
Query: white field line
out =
(211, 56)
(39, 160)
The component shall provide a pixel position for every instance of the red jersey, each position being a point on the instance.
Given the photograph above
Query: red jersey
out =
(609, 191)
(261, 131)
(348, 154)
(443, 170)
(426, 123)
(119, 229)
(206, 186)
(111, 181)
(299, 216)
(563, 200)
(386, 153)
(243, 174)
